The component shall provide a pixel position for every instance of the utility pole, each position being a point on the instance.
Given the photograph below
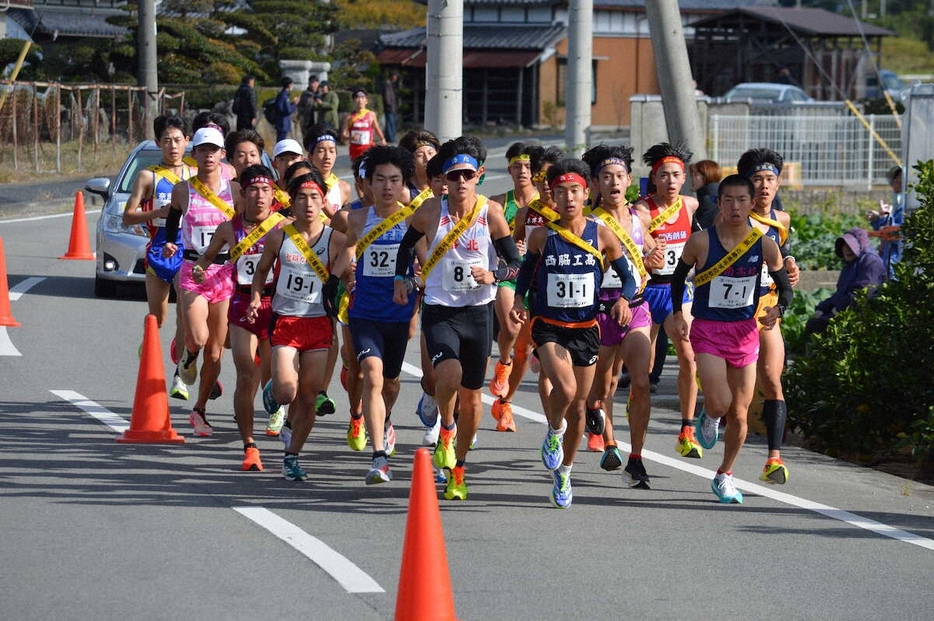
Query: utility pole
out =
(674, 76)
(444, 83)
(580, 76)
(146, 53)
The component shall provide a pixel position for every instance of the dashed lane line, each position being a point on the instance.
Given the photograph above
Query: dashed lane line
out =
(116, 423)
(17, 290)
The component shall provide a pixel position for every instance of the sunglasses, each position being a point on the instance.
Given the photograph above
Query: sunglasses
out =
(456, 175)
(540, 176)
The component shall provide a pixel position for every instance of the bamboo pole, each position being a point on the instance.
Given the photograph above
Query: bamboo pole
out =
(35, 128)
(16, 68)
(15, 136)
(58, 129)
(79, 122)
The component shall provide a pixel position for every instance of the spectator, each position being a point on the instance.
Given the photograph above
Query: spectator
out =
(390, 105)
(888, 221)
(328, 107)
(705, 181)
(285, 108)
(862, 268)
(308, 104)
(244, 104)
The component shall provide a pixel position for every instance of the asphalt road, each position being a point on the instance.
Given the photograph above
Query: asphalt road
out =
(93, 529)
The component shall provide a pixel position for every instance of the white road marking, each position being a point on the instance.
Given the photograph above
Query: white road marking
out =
(34, 218)
(17, 291)
(96, 410)
(7, 348)
(348, 575)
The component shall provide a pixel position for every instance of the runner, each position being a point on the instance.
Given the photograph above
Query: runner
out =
(728, 259)
(670, 224)
(246, 235)
(380, 329)
(201, 204)
(565, 261)
(149, 205)
(244, 148)
(611, 173)
(321, 144)
(465, 233)
(361, 126)
(423, 145)
(311, 256)
(763, 167)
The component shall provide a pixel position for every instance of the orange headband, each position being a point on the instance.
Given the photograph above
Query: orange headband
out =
(668, 159)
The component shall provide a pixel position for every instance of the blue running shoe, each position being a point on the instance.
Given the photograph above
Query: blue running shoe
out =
(291, 470)
(561, 494)
(553, 449)
(722, 485)
(427, 410)
(707, 430)
(269, 403)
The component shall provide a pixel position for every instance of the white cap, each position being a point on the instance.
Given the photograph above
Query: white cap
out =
(287, 146)
(208, 135)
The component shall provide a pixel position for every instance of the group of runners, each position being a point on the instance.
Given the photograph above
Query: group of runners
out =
(571, 280)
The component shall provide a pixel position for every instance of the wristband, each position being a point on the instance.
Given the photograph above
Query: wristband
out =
(781, 310)
(790, 257)
(398, 277)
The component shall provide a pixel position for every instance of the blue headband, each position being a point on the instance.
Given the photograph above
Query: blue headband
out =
(766, 166)
(609, 162)
(326, 137)
(462, 158)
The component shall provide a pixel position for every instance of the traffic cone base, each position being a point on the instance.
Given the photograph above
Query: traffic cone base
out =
(79, 246)
(6, 315)
(424, 580)
(150, 422)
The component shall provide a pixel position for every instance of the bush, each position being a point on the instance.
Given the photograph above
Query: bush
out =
(866, 389)
(814, 235)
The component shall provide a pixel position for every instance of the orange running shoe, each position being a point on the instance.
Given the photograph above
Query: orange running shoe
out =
(499, 385)
(595, 443)
(502, 412)
(251, 459)
(687, 444)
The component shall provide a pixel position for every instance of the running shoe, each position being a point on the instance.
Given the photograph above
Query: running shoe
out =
(638, 477)
(431, 433)
(291, 470)
(179, 388)
(687, 446)
(611, 459)
(596, 419)
(440, 477)
(561, 494)
(188, 368)
(251, 459)
(216, 390)
(499, 385)
(502, 412)
(722, 485)
(200, 423)
(269, 402)
(285, 435)
(324, 404)
(380, 472)
(774, 471)
(707, 430)
(389, 439)
(172, 353)
(427, 410)
(553, 449)
(356, 434)
(456, 489)
(444, 456)
(595, 443)
(474, 442)
(274, 424)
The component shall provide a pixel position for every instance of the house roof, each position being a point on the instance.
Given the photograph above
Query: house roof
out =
(686, 5)
(51, 22)
(812, 22)
(487, 37)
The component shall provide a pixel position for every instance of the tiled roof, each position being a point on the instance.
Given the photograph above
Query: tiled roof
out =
(62, 21)
(686, 5)
(512, 37)
(804, 21)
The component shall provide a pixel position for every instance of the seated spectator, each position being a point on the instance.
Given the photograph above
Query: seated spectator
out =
(705, 181)
(862, 268)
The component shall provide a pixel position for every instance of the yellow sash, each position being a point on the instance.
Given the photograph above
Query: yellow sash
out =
(574, 239)
(543, 210)
(264, 227)
(161, 169)
(211, 197)
(626, 240)
(308, 253)
(462, 225)
(387, 223)
(423, 196)
(729, 259)
(782, 231)
(658, 220)
(283, 197)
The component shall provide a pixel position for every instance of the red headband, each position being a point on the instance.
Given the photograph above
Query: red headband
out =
(568, 178)
(311, 184)
(668, 159)
(258, 180)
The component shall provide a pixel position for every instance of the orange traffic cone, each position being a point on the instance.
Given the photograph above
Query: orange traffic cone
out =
(79, 246)
(424, 581)
(150, 422)
(6, 315)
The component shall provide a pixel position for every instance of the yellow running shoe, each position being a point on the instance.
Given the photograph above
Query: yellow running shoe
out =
(687, 444)
(356, 434)
(444, 456)
(774, 471)
(456, 489)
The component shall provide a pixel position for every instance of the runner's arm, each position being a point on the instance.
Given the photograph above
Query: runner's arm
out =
(508, 251)
(677, 285)
(142, 187)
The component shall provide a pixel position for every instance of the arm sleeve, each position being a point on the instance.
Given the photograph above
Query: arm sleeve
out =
(621, 267)
(507, 250)
(526, 272)
(785, 292)
(171, 225)
(406, 254)
(677, 285)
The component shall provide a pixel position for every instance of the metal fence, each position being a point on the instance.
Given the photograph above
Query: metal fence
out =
(822, 150)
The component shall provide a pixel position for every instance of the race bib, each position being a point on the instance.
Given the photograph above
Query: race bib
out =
(380, 261)
(612, 281)
(246, 267)
(360, 137)
(570, 290)
(457, 278)
(201, 237)
(765, 280)
(299, 285)
(672, 254)
(728, 292)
